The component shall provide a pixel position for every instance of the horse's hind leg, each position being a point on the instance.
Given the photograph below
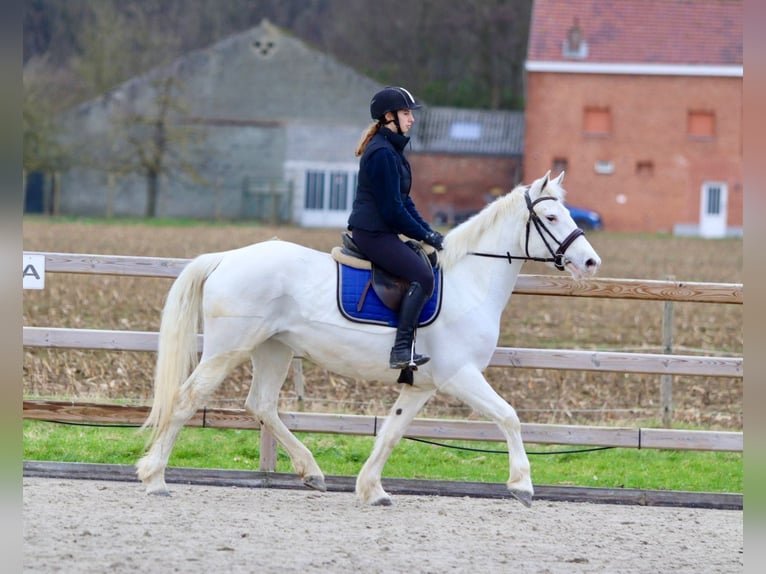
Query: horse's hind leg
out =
(195, 390)
(368, 483)
(271, 361)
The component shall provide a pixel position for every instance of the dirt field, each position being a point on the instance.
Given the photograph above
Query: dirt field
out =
(101, 302)
(93, 527)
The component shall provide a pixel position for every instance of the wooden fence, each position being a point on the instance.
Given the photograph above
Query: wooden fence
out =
(663, 364)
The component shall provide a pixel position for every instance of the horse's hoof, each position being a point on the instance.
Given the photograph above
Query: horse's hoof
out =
(522, 496)
(159, 493)
(315, 482)
(382, 501)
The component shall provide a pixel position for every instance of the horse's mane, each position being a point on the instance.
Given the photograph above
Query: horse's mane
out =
(464, 238)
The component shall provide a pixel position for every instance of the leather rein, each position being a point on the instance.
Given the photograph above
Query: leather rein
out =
(558, 255)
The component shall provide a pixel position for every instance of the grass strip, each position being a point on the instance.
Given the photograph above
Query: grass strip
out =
(344, 455)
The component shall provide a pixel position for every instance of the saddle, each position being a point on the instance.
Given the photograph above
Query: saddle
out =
(389, 288)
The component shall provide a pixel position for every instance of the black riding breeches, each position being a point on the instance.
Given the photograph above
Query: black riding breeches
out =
(389, 252)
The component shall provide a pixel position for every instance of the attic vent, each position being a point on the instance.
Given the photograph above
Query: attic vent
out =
(265, 45)
(575, 45)
(465, 131)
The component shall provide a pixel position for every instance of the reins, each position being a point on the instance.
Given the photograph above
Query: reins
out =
(558, 255)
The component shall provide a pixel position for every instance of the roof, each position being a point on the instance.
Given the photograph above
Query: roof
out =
(262, 74)
(468, 131)
(661, 32)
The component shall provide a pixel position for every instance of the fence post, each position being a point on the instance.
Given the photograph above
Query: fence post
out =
(268, 456)
(296, 370)
(666, 381)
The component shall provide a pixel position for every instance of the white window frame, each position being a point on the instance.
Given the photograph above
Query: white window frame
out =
(335, 207)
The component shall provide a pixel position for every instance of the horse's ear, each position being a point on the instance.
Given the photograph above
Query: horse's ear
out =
(538, 185)
(559, 179)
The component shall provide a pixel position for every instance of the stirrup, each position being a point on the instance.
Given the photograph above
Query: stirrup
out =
(411, 363)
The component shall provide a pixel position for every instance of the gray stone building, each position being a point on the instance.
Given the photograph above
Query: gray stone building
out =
(260, 126)
(257, 126)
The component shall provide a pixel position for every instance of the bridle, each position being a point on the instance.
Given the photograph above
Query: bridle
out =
(558, 255)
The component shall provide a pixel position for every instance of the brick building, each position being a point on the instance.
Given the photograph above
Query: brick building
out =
(640, 101)
(462, 159)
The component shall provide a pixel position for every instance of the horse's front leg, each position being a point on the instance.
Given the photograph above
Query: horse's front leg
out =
(368, 483)
(470, 386)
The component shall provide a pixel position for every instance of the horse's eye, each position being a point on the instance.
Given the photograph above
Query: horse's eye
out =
(551, 218)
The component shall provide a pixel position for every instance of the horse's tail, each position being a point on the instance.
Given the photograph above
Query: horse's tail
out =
(177, 350)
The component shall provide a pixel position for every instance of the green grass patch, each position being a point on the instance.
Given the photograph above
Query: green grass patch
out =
(344, 455)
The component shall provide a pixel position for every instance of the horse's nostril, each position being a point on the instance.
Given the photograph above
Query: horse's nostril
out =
(590, 263)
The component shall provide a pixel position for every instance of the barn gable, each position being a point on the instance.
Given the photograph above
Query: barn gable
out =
(256, 110)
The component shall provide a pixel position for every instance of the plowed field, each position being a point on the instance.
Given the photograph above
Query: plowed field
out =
(106, 302)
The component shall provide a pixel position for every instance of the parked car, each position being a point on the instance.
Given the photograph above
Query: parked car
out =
(586, 219)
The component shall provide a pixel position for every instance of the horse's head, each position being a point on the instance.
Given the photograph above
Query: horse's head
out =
(551, 233)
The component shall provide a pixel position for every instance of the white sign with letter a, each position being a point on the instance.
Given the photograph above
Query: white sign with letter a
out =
(33, 272)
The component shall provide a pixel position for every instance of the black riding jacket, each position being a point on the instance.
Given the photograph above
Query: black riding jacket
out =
(383, 201)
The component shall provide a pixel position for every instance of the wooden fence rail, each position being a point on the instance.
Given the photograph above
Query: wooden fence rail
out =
(647, 290)
(665, 364)
(503, 356)
(441, 429)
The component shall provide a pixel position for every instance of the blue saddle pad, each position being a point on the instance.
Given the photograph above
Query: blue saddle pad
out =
(351, 283)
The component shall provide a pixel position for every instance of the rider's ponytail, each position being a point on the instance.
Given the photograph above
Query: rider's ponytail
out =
(366, 137)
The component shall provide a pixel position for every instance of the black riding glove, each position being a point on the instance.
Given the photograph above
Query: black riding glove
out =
(435, 239)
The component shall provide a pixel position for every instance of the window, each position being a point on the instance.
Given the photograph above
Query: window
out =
(331, 190)
(700, 124)
(597, 121)
(603, 167)
(559, 165)
(314, 190)
(338, 190)
(713, 206)
(575, 45)
(645, 167)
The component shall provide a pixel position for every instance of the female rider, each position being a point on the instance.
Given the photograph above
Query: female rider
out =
(383, 209)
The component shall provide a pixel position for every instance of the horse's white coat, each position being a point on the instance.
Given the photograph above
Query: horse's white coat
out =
(274, 300)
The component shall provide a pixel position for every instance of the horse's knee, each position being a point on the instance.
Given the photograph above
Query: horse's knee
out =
(512, 421)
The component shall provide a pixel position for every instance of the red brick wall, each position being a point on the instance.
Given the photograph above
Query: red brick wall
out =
(449, 183)
(649, 123)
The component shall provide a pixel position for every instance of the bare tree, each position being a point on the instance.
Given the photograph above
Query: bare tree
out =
(156, 140)
(43, 151)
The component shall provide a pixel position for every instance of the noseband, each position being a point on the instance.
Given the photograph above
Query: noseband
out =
(558, 255)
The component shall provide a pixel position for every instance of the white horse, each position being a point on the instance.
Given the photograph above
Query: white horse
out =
(274, 300)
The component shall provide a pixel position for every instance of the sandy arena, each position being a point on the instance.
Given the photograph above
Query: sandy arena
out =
(88, 526)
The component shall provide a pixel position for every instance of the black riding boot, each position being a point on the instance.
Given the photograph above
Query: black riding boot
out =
(403, 352)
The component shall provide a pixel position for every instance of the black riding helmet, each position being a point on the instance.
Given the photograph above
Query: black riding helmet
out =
(391, 99)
